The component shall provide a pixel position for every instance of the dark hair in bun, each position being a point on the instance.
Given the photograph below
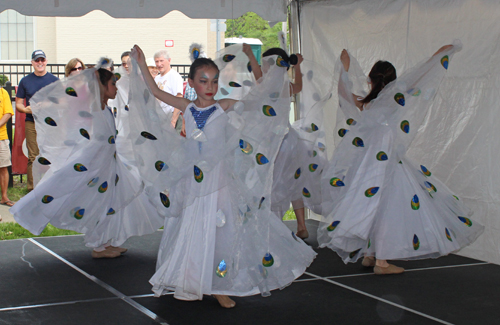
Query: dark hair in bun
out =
(292, 59)
(381, 74)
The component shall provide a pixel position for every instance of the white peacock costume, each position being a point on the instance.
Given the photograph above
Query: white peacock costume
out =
(376, 201)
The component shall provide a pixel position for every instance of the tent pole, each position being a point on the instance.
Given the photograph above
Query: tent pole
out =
(295, 47)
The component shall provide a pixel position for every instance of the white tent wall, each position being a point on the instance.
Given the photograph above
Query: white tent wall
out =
(459, 140)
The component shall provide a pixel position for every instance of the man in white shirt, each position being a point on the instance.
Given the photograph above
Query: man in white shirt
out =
(171, 82)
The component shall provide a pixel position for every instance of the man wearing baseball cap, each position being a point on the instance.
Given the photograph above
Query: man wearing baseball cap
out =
(28, 86)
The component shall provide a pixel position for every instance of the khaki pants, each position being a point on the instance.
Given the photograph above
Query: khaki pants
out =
(32, 145)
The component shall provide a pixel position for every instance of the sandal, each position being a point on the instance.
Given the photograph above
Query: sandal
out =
(8, 203)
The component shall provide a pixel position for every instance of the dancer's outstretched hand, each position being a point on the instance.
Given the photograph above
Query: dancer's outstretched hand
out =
(345, 59)
(247, 49)
(138, 54)
(444, 48)
(300, 58)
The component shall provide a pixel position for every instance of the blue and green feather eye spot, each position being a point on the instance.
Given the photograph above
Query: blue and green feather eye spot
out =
(164, 200)
(313, 167)
(333, 225)
(297, 173)
(415, 204)
(282, 63)
(336, 182)
(358, 142)
(47, 199)
(43, 161)
(342, 132)
(431, 188)
(447, 232)
(50, 121)
(148, 135)
(268, 260)
(77, 213)
(405, 126)
(382, 156)
(160, 166)
(111, 140)
(444, 61)
(228, 58)
(79, 168)
(262, 199)
(249, 67)
(103, 188)
(70, 91)
(234, 84)
(198, 174)
(371, 191)
(414, 92)
(93, 182)
(305, 192)
(246, 147)
(221, 269)
(425, 171)
(261, 159)
(416, 242)
(400, 99)
(85, 134)
(466, 221)
(110, 212)
(350, 121)
(268, 110)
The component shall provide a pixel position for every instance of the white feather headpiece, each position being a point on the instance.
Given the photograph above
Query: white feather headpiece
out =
(196, 51)
(104, 63)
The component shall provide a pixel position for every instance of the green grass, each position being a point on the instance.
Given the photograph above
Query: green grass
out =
(12, 230)
(19, 189)
(289, 215)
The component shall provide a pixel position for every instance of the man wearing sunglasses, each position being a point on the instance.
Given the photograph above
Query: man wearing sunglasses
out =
(28, 86)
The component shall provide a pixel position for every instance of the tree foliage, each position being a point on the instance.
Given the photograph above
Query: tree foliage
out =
(3, 79)
(250, 25)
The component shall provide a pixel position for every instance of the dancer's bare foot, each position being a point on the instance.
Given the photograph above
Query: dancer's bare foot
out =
(120, 250)
(302, 234)
(368, 261)
(389, 269)
(225, 301)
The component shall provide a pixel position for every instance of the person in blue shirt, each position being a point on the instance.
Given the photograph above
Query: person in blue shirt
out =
(28, 86)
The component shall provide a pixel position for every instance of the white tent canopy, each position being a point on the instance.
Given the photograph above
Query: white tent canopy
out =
(271, 10)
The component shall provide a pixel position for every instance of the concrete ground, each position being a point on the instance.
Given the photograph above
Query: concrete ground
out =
(6, 215)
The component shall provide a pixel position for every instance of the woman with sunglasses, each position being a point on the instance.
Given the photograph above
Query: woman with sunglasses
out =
(73, 67)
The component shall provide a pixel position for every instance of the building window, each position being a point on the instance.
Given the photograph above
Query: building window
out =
(16, 36)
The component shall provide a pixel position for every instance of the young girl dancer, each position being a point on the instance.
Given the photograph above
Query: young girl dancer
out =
(86, 184)
(377, 202)
(221, 238)
(295, 179)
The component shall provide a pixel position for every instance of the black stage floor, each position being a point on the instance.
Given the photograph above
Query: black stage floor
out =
(54, 280)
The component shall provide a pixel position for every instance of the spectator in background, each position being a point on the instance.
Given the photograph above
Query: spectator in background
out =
(153, 70)
(125, 58)
(169, 81)
(74, 66)
(6, 113)
(28, 86)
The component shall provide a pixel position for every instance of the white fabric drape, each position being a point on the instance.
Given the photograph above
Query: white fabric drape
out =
(458, 139)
